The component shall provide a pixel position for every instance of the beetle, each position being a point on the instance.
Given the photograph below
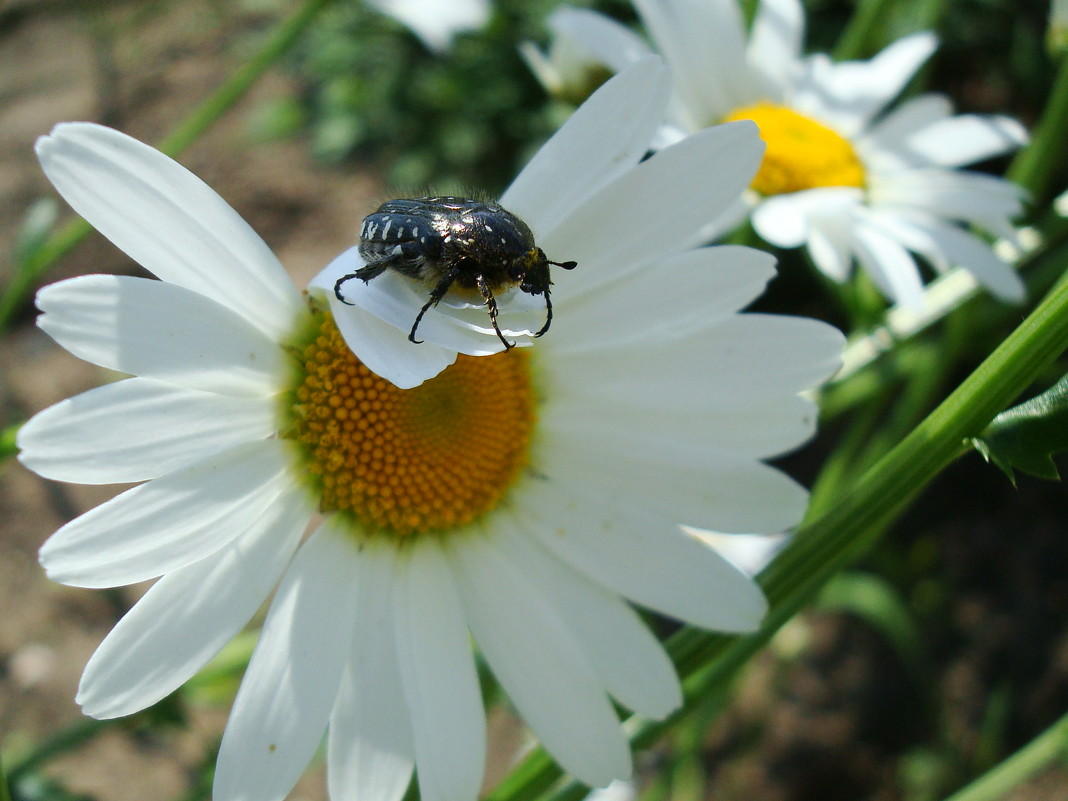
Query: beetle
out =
(454, 241)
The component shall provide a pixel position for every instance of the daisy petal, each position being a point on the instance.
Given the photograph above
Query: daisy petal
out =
(913, 115)
(851, 93)
(966, 139)
(282, 708)
(628, 659)
(168, 220)
(138, 429)
(889, 265)
(606, 136)
(759, 426)
(795, 354)
(162, 331)
(385, 350)
(370, 741)
(623, 226)
(750, 553)
(718, 490)
(947, 246)
(717, 282)
(641, 556)
(190, 614)
(437, 671)
(437, 23)
(170, 522)
(609, 42)
(971, 197)
(697, 37)
(775, 43)
(533, 654)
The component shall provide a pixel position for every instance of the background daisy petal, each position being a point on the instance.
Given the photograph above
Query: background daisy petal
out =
(697, 37)
(437, 671)
(537, 661)
(775, 42)
(158, 330)
(605, 40)
(642, 556)
(370, 751)
(849, 94)
(168, 220)
(889, 264)
(190, 614)
(985, 200)
(169, 522)
(138, 429)
(288, 691)
(946, 245)
(966, 139)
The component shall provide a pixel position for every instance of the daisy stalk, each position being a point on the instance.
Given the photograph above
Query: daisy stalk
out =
(63, 241)
(1036, 165)
(515, 497)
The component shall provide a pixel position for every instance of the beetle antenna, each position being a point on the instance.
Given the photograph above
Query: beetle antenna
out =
(548, 312)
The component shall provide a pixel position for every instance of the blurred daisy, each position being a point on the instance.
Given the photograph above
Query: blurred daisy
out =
(843, 176)
(437, 22)
(521, 497)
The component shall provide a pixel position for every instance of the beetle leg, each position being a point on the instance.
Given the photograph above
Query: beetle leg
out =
(491, 306)
(436, 295)
(365, 273)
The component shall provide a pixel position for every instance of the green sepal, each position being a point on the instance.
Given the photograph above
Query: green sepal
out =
(1025, 437)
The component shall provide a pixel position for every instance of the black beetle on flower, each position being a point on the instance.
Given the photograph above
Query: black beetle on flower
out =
(454, 241)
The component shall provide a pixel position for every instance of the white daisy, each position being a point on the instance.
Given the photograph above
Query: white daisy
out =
(519, 497)
(843, 175)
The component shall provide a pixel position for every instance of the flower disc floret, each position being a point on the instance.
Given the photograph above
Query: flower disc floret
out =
(408, 461)
(801, 152)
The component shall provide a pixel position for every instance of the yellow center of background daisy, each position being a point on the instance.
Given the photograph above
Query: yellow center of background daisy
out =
(801, 153)
(409, 461)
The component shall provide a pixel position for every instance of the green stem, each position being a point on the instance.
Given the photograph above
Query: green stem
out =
(7, 441)
(1040, 162)
(1048, 747)
(65, 740)
(210, 110)
(856, 40)
(5, 792)
(834, 539)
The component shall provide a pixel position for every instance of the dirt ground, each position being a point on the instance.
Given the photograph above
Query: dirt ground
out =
(828, 722)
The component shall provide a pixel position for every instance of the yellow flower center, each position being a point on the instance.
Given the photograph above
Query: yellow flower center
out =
(408, 461)
(801, 153)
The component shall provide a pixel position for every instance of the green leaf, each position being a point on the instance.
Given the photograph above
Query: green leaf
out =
(1025, 437)
(7, 445)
